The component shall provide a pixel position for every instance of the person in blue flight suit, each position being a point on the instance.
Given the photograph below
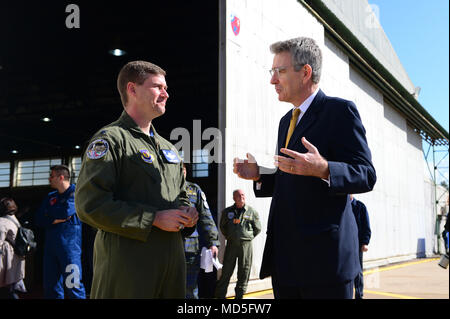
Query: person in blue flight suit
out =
(364, 233)
(62, 247)
(206, 230)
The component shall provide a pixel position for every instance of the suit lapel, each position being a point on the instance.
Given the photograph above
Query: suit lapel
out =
(307, 120)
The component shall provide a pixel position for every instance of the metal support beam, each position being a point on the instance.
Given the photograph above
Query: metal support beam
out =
(439, 157)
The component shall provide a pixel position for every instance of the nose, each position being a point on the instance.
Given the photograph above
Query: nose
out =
(164, 92)
(274, 78)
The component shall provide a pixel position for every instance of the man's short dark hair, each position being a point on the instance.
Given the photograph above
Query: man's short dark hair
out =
(136, 72)
(61, 170)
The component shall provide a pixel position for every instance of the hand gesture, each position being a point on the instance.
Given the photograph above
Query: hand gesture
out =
(246, 169)
(307, 164)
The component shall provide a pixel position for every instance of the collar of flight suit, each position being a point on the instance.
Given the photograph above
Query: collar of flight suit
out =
(245, 207)
(129, 123)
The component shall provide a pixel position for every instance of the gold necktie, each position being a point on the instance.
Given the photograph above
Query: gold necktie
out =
(292, 125)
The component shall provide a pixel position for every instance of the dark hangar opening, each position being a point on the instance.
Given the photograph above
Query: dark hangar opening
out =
(67, 75)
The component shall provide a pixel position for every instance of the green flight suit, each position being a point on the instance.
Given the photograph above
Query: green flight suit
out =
(125, 178)
(239, 238)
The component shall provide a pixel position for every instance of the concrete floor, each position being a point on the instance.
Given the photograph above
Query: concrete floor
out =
(416, 279)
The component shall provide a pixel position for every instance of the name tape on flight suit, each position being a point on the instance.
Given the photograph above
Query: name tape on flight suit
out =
(171, 156)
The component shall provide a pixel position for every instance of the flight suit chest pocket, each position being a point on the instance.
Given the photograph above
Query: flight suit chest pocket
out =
(145, 161)
(171, 162)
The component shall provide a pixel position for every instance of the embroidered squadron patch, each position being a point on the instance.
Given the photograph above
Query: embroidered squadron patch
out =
(97, 149)
(191, 190)
(230, 215)
(146, 156)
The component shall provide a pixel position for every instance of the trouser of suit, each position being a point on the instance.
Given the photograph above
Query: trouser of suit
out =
(207, 283)
(359, 280)
(242, 251)
(192, 270)
(332, 291)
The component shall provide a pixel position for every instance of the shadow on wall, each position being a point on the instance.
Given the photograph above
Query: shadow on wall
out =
(420, 248)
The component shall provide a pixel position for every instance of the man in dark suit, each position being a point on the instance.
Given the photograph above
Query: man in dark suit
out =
(311, 248)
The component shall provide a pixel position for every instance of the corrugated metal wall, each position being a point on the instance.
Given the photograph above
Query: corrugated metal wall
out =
(400, 207)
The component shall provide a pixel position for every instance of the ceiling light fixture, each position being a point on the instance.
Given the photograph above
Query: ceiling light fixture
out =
(46, 119)
(117, 52)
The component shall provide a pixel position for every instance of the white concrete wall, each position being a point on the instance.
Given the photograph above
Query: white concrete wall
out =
(399, 207)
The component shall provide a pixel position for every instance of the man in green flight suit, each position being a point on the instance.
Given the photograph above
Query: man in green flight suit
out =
(132, 189)
(205, 234)
(239, 224)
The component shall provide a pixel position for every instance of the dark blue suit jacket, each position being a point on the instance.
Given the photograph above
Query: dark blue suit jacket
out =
(362, 221)
(312, 237)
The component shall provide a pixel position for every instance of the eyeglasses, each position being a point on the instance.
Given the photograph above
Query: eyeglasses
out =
(282, 69)
(278, 70)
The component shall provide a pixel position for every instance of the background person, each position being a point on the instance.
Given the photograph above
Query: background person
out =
(12, 267)
(62, 247)
(364, 233)
(205, 229)
(239, 224)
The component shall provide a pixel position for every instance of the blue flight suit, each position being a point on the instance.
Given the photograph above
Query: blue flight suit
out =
(62, 251)
(205, 230)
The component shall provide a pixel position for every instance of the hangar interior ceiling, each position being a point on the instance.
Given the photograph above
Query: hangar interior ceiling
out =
(67, 75)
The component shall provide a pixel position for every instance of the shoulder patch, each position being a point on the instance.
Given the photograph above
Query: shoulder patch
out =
(97, 149)
(146, 156)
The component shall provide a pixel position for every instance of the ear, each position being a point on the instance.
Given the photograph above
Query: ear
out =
(307, 69)
(131, 89)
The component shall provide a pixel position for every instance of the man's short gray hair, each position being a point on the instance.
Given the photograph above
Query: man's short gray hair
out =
(303, 51)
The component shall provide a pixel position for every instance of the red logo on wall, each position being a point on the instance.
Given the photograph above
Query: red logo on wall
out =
(235, 24)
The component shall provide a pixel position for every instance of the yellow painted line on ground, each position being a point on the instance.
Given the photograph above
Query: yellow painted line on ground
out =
(255, 294)
(371, 271)
(387, 294)
(258, 293)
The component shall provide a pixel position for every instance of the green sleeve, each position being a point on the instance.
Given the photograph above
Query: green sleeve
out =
(96, 205)
(223, 223)
(256, 224)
